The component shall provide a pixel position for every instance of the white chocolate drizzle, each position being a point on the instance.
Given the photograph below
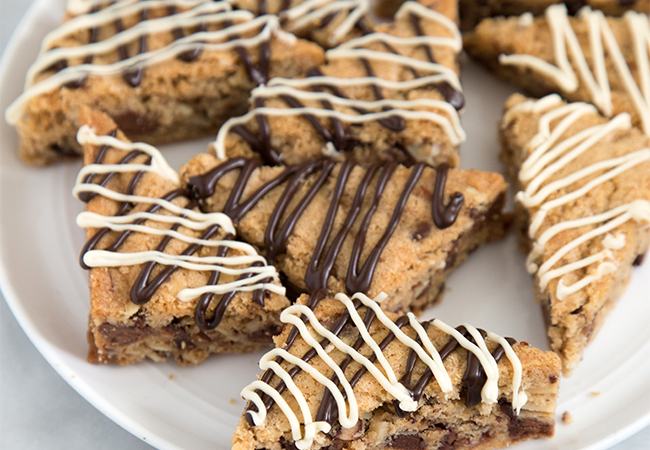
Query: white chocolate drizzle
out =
(299, 18)
(187, 218)
(304, 15)
(440, 112)
(593, 74)
(236, 23)
(300, 316)
(550, 154)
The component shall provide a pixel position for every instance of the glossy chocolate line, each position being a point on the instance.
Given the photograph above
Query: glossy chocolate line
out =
(360, 280)
(275, 237)
(275, 242)
(134, 77)
(316, 278)
(475, 377)
(204, 301)
(417, 26)
(445, 216)
(327, 411)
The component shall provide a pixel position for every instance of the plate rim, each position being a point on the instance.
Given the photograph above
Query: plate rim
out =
(65, 371)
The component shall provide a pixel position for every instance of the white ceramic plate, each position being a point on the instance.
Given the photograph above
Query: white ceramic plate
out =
(198, 407)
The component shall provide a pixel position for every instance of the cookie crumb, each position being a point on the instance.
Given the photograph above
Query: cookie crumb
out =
(595, 393)
(567, 417)
(232, 401)
(171, 377)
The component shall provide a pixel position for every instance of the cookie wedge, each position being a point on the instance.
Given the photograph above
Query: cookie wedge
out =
(345, 374)
(393, 94)
(590, 57)
(165, 72)
(583, 210)
(166, 280)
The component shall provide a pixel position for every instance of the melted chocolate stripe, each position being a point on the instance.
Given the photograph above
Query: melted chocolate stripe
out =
(317, 278)
(204, 301)
(275, 241)
(276, 236)
(445, 216)
(359, 281)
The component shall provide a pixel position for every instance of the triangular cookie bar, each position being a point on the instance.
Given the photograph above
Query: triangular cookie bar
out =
(590, 57)
(165, 279)
(346, 375)
(383, 228)
(584, 209)
(393, 94)
(472, 12)
(164, 71)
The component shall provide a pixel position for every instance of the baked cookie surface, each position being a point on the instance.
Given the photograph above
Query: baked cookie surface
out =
(583, 209)
(392, 94)
(348, 228)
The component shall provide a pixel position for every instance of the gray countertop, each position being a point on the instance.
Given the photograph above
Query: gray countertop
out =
(38, 410)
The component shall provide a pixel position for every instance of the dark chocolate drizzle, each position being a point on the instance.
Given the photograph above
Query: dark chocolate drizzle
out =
(359, 277)
(444, 216)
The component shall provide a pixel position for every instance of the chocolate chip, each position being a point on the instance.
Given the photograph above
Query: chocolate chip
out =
(452, 255)
(57, 66)
(408, 442)
(119, 336)
(639, 260)
(286, 445)
(132, 122)
(190, 55)
(553, 379)
(63, 151)
(422, 231)
(266, 335)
